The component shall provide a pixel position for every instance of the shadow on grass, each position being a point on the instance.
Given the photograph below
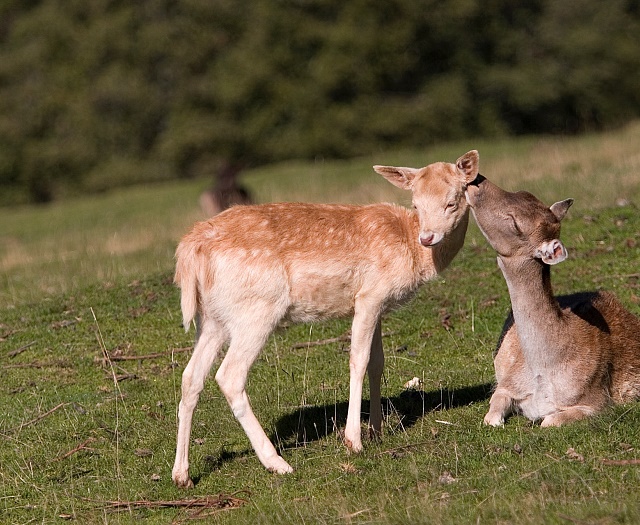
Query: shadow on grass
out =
(313, 423)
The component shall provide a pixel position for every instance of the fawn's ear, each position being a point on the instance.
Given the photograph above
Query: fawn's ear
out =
(559, 209)
(552, 252)
(400, 177)
(469, 165)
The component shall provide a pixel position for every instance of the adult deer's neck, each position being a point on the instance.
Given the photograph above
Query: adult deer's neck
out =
(433, 260)
(536, 313)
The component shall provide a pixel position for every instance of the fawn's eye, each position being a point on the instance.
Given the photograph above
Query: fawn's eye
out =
(452, 205)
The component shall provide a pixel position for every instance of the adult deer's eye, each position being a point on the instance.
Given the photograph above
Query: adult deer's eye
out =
(452, 205)
(515, 225)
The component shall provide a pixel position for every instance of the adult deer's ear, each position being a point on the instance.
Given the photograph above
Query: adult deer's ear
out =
(552, 252)
(400, 177)
(559, 209)
(469, 165)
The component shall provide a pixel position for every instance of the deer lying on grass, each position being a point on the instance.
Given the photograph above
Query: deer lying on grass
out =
(558, 360)
(243, 271)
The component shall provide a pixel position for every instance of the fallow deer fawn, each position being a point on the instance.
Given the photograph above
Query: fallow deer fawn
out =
(246, 269)
(558, 360)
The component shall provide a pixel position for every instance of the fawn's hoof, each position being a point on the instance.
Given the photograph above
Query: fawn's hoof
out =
(353, 446)
(183, 482)
(280, 466)
(375, 435)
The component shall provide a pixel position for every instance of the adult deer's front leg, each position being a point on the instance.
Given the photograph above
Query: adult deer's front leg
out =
(500, 406)
(362, 334)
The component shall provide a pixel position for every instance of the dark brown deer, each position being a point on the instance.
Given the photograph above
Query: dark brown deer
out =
(558, 359)
(226, 191)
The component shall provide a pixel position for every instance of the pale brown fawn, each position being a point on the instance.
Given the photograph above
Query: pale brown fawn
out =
(246, 269)
(558, 359)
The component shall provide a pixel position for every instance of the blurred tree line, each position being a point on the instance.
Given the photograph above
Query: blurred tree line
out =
(100, 93)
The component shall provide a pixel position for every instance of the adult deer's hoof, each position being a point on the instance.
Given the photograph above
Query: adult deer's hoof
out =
(494, 420)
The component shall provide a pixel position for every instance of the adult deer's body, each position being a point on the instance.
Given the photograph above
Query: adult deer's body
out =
(243, 271)
(557, 360)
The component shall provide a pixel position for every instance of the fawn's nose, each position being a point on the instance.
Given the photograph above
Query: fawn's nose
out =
(428, 239)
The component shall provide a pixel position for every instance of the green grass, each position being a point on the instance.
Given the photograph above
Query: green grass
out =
(84, 277)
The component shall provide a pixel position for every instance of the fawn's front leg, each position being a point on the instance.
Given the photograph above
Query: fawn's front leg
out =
(363, 329)
(374, 371)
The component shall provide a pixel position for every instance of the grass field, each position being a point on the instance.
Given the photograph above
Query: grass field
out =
(91, 352)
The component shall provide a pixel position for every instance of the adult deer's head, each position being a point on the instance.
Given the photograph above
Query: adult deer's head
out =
(518, 224)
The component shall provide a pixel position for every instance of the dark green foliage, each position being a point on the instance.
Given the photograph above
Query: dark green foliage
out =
(104, 93)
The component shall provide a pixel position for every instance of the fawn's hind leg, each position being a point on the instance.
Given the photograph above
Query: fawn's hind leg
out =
(244, 348)
(211, 337)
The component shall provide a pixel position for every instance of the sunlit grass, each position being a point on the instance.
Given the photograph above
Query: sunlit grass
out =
(67, 245)
(82, 277)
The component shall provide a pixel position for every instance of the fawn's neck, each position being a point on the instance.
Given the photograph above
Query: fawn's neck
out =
(433, 260)
(536, 313)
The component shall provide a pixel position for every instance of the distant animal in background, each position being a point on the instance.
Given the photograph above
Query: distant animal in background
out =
(225, 192)
(216, 200)
(246, 269)
(559, 359)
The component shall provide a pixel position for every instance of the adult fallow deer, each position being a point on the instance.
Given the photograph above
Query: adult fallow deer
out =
(558, 359)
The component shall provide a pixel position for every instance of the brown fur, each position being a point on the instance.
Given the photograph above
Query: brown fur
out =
(561, 359)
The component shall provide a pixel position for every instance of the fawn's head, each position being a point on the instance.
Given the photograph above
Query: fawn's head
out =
(438, 193)
(518, 224)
